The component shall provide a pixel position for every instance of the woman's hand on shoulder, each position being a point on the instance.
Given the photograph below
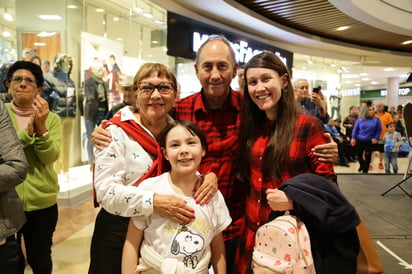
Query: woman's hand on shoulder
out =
(206, 188)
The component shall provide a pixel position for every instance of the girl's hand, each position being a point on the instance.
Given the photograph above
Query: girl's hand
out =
(278, 201)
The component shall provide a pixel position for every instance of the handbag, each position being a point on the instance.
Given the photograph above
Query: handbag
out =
(368, 258)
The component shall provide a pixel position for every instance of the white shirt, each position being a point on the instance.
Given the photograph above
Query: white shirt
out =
(168, 238)
(118, 167)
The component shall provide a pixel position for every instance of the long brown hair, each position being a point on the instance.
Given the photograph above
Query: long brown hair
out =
(253, 120)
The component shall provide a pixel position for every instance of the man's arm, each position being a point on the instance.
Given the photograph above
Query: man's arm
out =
(327, 152)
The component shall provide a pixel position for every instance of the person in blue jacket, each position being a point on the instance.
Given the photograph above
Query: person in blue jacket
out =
(365, 135)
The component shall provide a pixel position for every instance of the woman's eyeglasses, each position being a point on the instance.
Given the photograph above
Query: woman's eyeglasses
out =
(163, 88)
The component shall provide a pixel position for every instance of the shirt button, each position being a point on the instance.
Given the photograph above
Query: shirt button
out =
(260, 158)
(258, 201)
(260, 179)
(258, 223)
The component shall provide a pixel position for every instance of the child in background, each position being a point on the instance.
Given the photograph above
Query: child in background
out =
(166, 246)
(393, 141)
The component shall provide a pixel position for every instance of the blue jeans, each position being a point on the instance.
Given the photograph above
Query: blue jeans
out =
(391, 158)
(90, 125)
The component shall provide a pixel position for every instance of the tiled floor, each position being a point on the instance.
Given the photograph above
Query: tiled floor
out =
(75, 226)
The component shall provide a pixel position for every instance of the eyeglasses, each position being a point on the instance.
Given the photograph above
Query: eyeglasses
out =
(163, 88)
(18, 80)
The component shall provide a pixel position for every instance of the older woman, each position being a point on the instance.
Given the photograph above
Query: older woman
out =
(132, 156)
(40, 132)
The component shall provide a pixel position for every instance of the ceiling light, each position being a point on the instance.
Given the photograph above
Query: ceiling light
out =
(46, 34)
(7, 16)
(137, 9)
(6, 34)
(310, 62)
(388, 69)
(49, 17)
(363, 74)
(38, 44)
(99, 10)
(365, 79)
(116, 19)
(407, 42)
(342, 28)
(159, 22)
(72, 7)
(374, 83)
(148, 15)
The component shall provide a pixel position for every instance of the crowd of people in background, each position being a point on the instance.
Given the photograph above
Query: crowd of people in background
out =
(228, 149)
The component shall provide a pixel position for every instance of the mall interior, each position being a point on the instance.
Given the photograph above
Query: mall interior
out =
(354, 52)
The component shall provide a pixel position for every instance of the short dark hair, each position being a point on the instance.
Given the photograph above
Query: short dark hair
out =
(32, 67)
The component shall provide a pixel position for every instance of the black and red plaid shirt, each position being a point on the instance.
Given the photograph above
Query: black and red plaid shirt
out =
(221, 128)
(308, 133)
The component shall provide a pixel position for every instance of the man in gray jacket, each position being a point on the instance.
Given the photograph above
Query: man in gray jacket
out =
(13, 170)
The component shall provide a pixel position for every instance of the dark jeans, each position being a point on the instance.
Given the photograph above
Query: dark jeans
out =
(37, 233)
(230, 246)
(9, 256)
(107, 243)
(364, 152)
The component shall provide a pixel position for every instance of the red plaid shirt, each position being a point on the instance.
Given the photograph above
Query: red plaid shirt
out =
(221, 128)
(308, 133)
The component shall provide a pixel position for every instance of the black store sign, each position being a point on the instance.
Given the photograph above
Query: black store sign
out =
(184, 37)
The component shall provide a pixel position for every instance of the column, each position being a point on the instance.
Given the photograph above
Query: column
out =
(393, 87)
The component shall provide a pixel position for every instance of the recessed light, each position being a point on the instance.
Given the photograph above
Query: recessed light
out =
(49, 17)
(388, 69)
(407, 42)
(38, 44)
(6, 33)
(99, 10)
(148, 15)
(116, 19)
(363, 74)
(72, 7)
(374, 83)
(365, 79)
(7, 16)
(342, 28)
(46, 34)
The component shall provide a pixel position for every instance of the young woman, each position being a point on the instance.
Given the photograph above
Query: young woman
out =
(275, 141)
(168, 245)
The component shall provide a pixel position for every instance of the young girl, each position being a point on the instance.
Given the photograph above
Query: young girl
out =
(165, 246)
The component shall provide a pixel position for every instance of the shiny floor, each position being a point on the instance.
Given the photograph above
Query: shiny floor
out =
(75, 226)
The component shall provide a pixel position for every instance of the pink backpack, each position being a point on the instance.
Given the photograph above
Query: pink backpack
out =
(283, 246)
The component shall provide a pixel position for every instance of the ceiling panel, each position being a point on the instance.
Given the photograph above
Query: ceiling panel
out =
(321, 18)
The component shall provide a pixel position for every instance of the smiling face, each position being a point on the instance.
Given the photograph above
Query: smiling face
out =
(183, 150)
(215, 70)
(265, 89)
(156, 105)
